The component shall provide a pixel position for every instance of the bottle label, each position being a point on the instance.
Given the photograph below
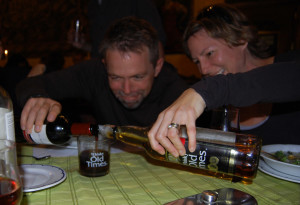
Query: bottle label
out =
(38, 137)
(7, 126)
(213, 157)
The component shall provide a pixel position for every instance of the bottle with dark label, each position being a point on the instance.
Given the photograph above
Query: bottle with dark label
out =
(217, 151)
(60, 131)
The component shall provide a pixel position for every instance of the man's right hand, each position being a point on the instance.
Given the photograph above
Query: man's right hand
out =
(35, 112)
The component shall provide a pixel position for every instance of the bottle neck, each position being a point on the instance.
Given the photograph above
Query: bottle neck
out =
(132, 135)
(84, 129)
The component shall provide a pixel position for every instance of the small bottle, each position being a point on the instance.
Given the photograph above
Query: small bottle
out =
(60, 131)
(216, 151)
(7, 126)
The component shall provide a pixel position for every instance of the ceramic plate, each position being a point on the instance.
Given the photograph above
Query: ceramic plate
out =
(273, 172)
(37, 177)
(280, 166)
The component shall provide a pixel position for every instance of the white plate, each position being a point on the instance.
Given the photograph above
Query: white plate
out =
(280, 166)
(273, 172)
(37, 176)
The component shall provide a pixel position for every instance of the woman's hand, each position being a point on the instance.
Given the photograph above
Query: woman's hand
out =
(184, 111)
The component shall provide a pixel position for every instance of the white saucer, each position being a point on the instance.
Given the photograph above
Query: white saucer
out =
(269, 170)
(37, 177)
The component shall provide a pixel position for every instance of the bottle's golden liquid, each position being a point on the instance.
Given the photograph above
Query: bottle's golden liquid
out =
(136, 136)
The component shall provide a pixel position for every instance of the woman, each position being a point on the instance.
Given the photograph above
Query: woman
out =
(223, 42)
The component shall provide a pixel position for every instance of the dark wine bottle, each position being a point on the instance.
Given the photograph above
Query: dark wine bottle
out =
(216, 151)
(60, 131)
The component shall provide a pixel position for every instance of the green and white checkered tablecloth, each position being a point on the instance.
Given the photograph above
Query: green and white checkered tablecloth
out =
(133, 179)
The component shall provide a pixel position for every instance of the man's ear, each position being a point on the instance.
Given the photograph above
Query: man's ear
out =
(158, 67)
(103, 61)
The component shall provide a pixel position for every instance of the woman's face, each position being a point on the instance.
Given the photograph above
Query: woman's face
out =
(214, 56)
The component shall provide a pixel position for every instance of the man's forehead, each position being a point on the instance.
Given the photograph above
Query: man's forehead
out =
(127, 63)
(112, 53)
(126, 51)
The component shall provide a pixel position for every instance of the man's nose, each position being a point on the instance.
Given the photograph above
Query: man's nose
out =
(126, 86)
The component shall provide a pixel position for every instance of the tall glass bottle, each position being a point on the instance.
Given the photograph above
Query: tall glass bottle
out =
(7, 128)
(216, 151)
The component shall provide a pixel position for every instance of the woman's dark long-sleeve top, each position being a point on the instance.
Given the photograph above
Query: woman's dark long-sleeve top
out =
(278, 83)
(89, 80)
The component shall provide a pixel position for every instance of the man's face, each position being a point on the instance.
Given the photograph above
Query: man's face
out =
(130, 76)
(215, 56)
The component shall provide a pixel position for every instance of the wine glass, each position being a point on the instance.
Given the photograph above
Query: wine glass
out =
(11, 192)
(76, 35)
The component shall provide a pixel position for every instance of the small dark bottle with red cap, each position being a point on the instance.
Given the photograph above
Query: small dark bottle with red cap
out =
(60, 132)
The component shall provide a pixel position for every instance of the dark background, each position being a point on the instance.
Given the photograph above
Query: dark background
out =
(36, 27)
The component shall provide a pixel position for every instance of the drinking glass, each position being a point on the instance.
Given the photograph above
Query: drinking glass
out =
(93, 155)
(10, 182)
(226, 119)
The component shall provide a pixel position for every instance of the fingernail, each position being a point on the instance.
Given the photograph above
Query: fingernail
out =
(181, 153)
(37, 128)
(192, 149)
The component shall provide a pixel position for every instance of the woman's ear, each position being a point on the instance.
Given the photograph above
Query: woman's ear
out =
(244, 44)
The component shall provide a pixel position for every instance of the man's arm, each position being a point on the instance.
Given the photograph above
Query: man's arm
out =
(40, 95)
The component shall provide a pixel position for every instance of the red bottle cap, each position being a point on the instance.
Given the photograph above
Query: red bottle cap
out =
(81, 129)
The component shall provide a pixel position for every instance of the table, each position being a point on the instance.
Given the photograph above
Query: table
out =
(136, 179)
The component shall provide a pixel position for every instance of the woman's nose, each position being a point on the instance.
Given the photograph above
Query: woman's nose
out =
(205, 67)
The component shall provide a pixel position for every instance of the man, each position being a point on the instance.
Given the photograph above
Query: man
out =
(131, 85)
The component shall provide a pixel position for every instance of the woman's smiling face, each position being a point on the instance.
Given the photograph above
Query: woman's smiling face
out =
(214, 56)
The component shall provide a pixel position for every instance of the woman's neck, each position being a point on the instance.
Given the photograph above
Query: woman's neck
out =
(253, 62)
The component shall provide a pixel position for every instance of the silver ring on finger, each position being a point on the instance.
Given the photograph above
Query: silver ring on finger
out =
(173, 125)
